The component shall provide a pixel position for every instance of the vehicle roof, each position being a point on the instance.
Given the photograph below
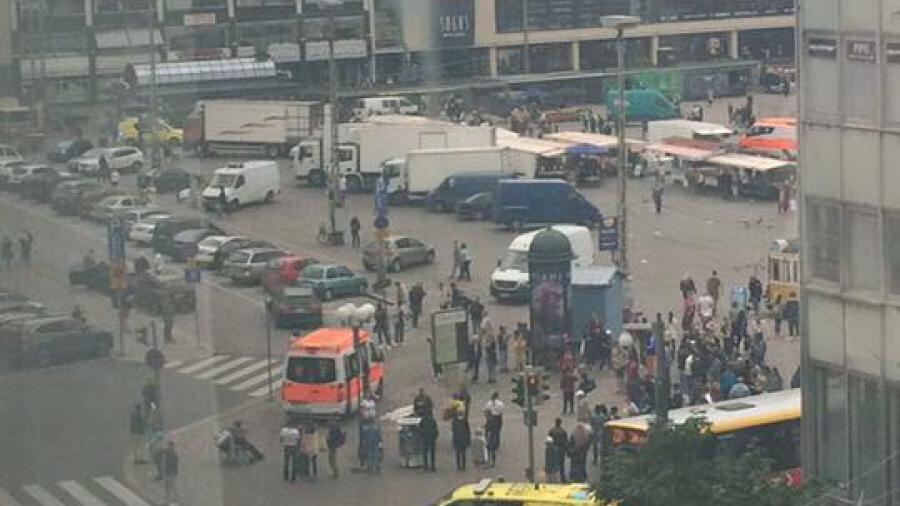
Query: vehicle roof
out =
(241, 167)
(154, 218)
(482, 175)
(729, 415)
(324, 265)
(523, 241)
(550, 493)
(45, 319)
(148, 209)
(698, 127)
(255, 250)
(776, 121)
(190, 233)
(294, 291)
(334, 339)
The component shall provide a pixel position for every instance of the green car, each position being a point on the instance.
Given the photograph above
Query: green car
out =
(332, 280)
(295, 307)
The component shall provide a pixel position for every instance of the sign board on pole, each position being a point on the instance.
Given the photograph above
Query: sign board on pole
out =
(608, 234)
(192, 275)
(450, 332)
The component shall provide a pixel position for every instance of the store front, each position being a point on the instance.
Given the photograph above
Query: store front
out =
(772, 45)
(700, 47)
(601, 54)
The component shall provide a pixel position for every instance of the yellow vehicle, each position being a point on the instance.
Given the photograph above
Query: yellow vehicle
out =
(128, 132)
(496, 493)
(783, 270)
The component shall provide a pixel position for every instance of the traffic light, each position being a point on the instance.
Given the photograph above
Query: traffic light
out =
(519, 390)
(539, 385)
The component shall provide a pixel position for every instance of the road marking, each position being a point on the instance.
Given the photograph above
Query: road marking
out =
(227, 366)
(276, 386)
(206, 362)
(252, 300)
(243, 372)
(42, 495)
(80, 493)
(255, 381)
(173, 364)
(397, 414)
(121, 491)
(6, 499)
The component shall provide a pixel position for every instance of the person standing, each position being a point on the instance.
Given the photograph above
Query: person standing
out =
(137, 428)
(567, 385)
(714, 289)
(755, 290)
(520, 351)
(336, 439)
(6, 251)
(372, 444)
(428, 431)
(598, 424)
(778, 314)
(476, 313)
(416, 298)
(475, 352)
(792, 315)
(493, 411)
(401, 294)
(560, 443)
(457, 262)
(170, 473)
(461, 438)
(657, 195)
(289, 437)
(382, 331)
(26, 243)
(150, 394)
(399, 326)
(221, 203)
(465, 262)
(492, 439)
(491, 359)
(168, 317)
(354, 232)
(551, 461)
(503, 349)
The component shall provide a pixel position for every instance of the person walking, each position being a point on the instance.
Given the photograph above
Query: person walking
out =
(714, 290)
(492, 439)
(428, 431)
(168, 317)
(503, 349)
(150, 394)
(289, 437)
(170, 473)
(778, 314)
(687, 286)
(598, 424)
(457, 262)
(336, 439)
(26, 243)
(373, 446)
(399, 326)
(493, 411)
(416, 299)
(657, 196)
(221, 203)
(137, 428)
(475, 353)
(792, 315)
(755, 290)
(490, 359)
(520, 351)
(381, 327)
(6, 251)
(465, 262)
(551, 461)
(567, 384)
(461, 438)
(560, 442)
(401, 294)
(354, 232)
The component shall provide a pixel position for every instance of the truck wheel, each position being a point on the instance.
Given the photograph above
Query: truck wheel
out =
(273, 151)
(354, 185)
(316, 178)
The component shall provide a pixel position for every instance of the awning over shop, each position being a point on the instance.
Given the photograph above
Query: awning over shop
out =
(234, 69)
(755, 163)
(602, 140)
(683, 152)
(538, 147)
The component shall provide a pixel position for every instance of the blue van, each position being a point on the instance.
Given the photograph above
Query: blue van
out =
(539, 201)
(458, 187)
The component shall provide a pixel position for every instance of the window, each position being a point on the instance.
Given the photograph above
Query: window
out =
(892, 251)
(509, 15)
(333, 273)
(863, 250)
(313, 272)
(311, 370)
(351, 365)
(830, 425)
(825, 241)
(867, 457)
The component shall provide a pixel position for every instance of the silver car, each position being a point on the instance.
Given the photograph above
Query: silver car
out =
(247, 266)
(115, 205)
(401, 252)
(142, 231)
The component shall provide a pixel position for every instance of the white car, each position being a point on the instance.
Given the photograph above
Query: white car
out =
(142, 231)
(6, 168)
(144, 213)
(115, 205)
(9, 154)
(121, 158)
(16, 173)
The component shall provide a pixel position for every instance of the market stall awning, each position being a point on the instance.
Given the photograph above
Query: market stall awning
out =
(683, 152)
(603, 140)
(743, 161)
(584, 149)
(539, 147)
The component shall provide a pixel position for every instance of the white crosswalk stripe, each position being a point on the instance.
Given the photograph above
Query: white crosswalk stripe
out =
(42, 495)
(6, 499)
(227, 366)
(397, 414)
(256, 380)
(197, 366)
(80, 493)
(276, 385)
(122, 492)
(173, 364)
(224, 380)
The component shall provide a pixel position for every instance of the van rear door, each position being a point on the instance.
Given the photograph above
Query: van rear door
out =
(311, 379)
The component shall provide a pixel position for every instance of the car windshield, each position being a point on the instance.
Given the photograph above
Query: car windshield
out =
(314, 272)
(212, 242)
(515, 260)
(93, 153)
(223, 181)
(239, 257)
(311, 370)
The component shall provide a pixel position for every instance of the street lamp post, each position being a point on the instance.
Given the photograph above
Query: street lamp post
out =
(356, 316)
(620, 24)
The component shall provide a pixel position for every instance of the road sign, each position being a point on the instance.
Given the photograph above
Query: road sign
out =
(154, 359)
(381, 223)
(608, 234)
(192, 274)
(118, 276)
(115, 240)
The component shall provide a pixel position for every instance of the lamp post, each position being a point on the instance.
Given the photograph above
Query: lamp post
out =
(356, 316)
(620, 24)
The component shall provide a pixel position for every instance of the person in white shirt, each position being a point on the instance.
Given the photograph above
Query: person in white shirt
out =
(290, 444)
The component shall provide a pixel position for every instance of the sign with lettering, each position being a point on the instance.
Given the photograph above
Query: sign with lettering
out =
(199, 19)
(862, 50)
(455, 23)
(821, 48)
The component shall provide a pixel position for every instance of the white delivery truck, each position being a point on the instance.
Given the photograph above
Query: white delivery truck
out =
(243, 183)
(510, 279)
(364, 147)
(687, 129)
(262, 127)
(424, 169)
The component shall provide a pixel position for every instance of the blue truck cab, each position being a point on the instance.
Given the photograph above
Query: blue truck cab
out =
(458, 187)
(541, 201)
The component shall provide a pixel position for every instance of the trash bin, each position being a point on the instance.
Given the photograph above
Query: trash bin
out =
(409, 442)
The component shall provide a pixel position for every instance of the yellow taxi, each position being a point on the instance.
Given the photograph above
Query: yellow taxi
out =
(128, 132)
(497, 493)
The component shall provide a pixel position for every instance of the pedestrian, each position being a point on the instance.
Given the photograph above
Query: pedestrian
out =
(422, 404)
(289, 437)
(6, 251)
(336, 439)
(520, 350)
(560, 440)
(150, 394)
(792, 315)
(476, 314)
(619, 361)
(551, 461)
(475, 352)
(137, 428)
(461, 438)
(170, 473)
(381, 327)
(416, 298)
(491, 359)
(457, 262)
(168, 317)
(493, 412)
(502, 349)
(598, 424)
(579, 444)
(428, 431)
(373, 446)
(313, 444)
(157, 450)
(401, 294)
(582, 407)
(354, 232)
(479, 448)
(492, 438)
(777, 314)
(687, 286)
(755, 290)
(221, 203)
(465, 262)
(399, 326)
(567, 386)
(26, 243)
(714, 290)
(657, 195)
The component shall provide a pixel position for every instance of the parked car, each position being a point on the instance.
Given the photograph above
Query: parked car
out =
(295, 307)
(458, 187)
(6, 166)
(132, 216)
(542, 201)
(477, 207)
(402, 252)
(23, 305)
(285, 271)
(9, 153)
(121, 158)
(213, 249)
(66, 150)
(246, 266)
(115, 206)
(95, 277)
(141, 232)
(66, 198)
(165, 181)
(43, 342)
(19, 173)
(130, 128)
(91, 198)
(40, 186)
(165, 230)
(184, 244)
(331, 280)
(149, 290)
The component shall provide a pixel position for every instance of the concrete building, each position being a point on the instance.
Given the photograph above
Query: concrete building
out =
(849, 74)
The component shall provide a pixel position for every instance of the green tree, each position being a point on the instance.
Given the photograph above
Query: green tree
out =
(679, 465)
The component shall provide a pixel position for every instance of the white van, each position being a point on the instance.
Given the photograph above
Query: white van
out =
(369, 106)
(510, 279)
(244, 183)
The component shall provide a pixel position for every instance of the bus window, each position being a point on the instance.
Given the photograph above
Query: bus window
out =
(778, 443)
(774, 270)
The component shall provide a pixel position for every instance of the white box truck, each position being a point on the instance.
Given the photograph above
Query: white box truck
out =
(424, 169)
(364, 147)
(263, 127)
(243, 183)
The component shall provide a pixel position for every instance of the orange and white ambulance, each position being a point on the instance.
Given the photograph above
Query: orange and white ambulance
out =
(324, 373)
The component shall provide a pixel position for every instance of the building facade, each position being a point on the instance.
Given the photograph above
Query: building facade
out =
(849, 75)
